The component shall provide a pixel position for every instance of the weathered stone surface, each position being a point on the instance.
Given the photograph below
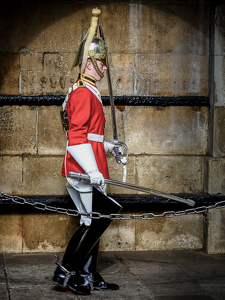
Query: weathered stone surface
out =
(216, 176)
(41, 26)
(172, 75)
(42, 175)
(51, 136)
(103, 86)
(18, 130)
(123, 60)
(119, 236)
(122, 83)
(219, 81)
(219, 74)
(183, 232)
(9, 73)
(50, 233)
(120, 122)
(171, 174)
(219, 131)
(52, 76)
(10, 233)
(116, 173)
(31, 61)
(169, 130)
(216, 231)
(150, 28)
(11, 174)
(219, 30)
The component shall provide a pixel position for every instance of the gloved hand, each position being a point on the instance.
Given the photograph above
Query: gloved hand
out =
(97, 179)
(84, 156)
(110, 148)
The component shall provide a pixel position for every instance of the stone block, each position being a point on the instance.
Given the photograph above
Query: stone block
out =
(171, 174)
(119, 236)
(42, 175)
(219, 131)
(120, 121)
(54, 77)
(31, 61)
(103, 86)
(123, 60)
(220, 30)
(11, 175)
(18, 129)
(47, 233)
(168, 130)
(181, 232)
(122, 83)
(172, 75)
(51, 136)
(216, 231)
(219, 80)
(9, 73)
(216, 167)
(11, 233)
(41, 27)
(155, 28)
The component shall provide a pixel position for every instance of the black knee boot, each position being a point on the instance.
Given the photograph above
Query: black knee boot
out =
(90, 271)
(79, 248)
(65, 270)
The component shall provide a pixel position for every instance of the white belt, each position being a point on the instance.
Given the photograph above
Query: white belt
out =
(95, 137)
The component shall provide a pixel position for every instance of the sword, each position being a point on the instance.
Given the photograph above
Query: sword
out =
(85, 177)
(115, 138)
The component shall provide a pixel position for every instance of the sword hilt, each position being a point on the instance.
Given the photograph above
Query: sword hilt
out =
(118, 159)
(118, 155)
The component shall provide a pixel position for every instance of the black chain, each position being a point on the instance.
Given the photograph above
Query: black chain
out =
(97, 215)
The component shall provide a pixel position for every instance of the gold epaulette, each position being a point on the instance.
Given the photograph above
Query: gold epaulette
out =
(81, 83)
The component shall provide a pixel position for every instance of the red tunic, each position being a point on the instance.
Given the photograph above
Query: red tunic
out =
(85, 115)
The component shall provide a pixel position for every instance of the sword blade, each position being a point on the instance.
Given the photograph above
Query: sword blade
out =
(111, 99)
(85, 177)
(115, 138)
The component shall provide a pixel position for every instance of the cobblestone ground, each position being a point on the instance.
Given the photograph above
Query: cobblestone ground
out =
(159, 275)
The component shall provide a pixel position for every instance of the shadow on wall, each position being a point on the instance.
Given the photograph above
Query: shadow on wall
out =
(21, 22)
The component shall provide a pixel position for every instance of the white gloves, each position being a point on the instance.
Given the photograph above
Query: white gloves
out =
(110, 148)
(97, 179)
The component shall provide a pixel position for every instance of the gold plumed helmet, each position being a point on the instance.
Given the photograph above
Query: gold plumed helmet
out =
(92, 46)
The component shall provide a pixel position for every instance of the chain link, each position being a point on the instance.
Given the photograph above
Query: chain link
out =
(97, 215)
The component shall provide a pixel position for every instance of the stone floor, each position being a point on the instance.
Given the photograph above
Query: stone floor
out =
(159, 275)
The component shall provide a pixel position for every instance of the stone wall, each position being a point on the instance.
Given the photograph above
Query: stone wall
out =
(156, 48)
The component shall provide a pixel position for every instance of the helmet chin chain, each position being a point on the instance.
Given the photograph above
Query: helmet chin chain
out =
(95, 64)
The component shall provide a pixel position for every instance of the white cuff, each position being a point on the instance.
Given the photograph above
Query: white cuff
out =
(84, 156)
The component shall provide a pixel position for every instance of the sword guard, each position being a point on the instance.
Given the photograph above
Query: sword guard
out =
(118, 159)
(116, 150)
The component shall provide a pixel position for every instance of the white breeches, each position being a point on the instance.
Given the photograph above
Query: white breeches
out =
(81, 194)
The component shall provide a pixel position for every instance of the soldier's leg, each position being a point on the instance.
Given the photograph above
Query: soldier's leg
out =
(81, 245)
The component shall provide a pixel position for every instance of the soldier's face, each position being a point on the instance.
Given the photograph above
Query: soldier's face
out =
(90, 69)
(102, 67)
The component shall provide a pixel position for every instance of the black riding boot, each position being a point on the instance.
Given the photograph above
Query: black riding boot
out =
(90, 272)
(79, 248)
(65, 270)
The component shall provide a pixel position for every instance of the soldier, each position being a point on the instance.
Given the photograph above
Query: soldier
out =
(86, 153)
